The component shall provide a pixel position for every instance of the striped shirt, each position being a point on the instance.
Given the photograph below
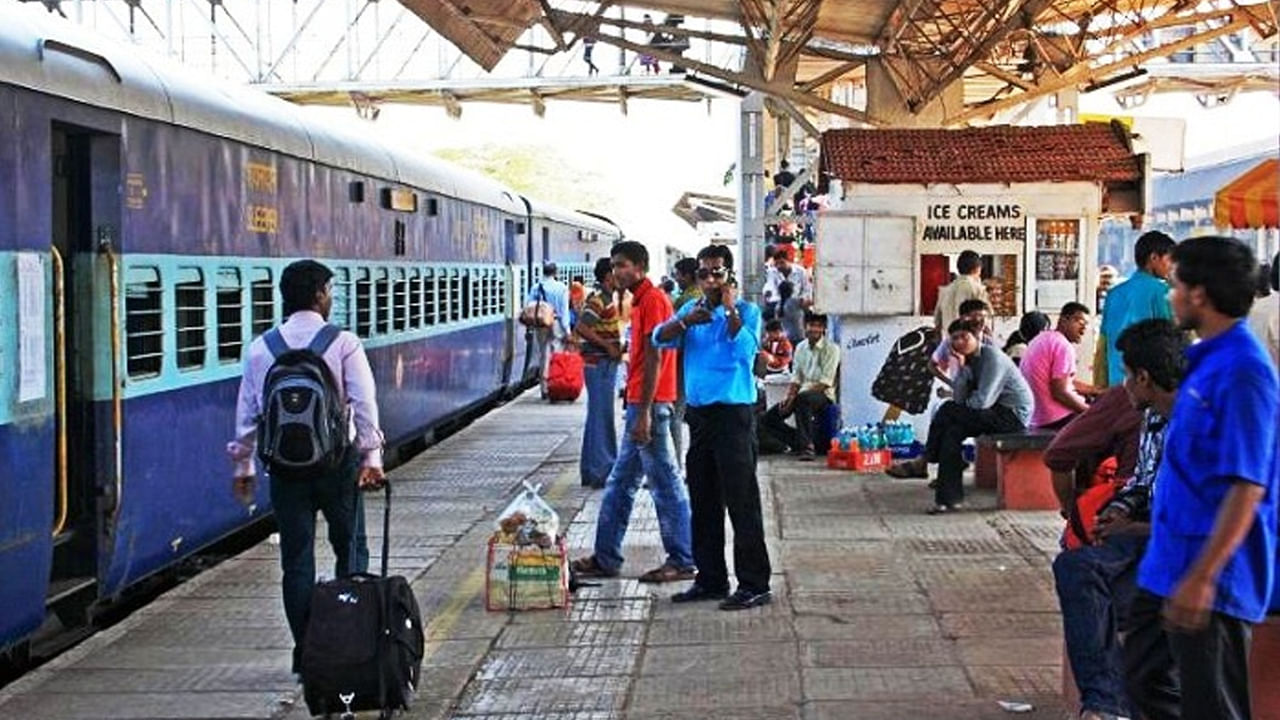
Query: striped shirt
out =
(601, 312)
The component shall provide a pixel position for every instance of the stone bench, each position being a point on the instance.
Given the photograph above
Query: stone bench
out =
(1264, 672)
(1013, 464)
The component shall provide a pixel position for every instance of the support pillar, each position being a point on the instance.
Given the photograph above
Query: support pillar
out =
(886, 105)
(752, 177)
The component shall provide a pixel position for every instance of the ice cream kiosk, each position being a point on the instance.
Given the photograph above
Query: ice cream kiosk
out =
(905, 203)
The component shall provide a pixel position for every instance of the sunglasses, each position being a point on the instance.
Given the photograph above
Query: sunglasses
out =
(718, 273)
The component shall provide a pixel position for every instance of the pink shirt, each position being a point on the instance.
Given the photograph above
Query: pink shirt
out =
(350, 368)
(1048, 356)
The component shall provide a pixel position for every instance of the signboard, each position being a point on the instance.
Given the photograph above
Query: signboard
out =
(978, 220)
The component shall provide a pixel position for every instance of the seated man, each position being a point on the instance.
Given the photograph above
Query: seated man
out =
(990, 397)
(1096, 582)
(943, 365)
(1109, 428)
(812, 389)
(1049, 365)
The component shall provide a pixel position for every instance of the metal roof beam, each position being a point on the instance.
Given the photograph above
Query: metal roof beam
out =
(1082, 73)
(740, 78)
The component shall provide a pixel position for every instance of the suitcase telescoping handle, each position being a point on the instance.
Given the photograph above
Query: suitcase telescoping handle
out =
(386, 525)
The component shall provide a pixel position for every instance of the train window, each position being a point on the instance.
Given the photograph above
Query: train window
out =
(399, 300)
(415, 299)
(364, 303)
(230, 305)
(456, 301)
(144, 322)
(340, 313)
(188, 305)
(429, 296)
(262, 301)
(382, 301)
(502, 292)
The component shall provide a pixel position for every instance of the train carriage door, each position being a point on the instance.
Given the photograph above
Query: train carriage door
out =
(509, 340)
(86, 187)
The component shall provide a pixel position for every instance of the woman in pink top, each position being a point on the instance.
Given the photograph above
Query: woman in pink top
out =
(1049, 367)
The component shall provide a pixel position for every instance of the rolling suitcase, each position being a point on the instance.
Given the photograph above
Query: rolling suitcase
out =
(564, 377)
(364, 644)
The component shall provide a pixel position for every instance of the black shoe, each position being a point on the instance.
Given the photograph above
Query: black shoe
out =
(806, 455)
(698, 593)
(745, 599)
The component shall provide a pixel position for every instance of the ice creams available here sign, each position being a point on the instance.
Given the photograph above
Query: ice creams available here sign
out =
(974, 221)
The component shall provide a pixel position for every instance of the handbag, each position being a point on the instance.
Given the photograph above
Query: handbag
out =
(538, 314)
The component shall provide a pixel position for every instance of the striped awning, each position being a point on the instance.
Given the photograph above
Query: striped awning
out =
(1251, 200)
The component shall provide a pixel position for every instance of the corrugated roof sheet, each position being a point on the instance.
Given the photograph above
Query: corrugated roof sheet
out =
(998, 154)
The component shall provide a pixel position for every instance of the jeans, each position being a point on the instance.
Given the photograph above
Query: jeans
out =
(656, 461)
(295, 503)
(1096, 585)
(808, 407)
(722, 475)
(600, 436)
(951, 426)
(1174, 675)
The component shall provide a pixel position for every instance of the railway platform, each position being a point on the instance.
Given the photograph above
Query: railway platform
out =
(879, 611)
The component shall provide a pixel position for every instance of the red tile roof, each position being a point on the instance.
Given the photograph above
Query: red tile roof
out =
(1092, 152)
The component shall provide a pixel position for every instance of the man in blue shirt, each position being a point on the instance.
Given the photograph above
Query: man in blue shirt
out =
(1145, 296)
(720, 336)
(1209, 568)
(551, 291)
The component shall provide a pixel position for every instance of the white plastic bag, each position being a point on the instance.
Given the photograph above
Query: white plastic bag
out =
(528, 520)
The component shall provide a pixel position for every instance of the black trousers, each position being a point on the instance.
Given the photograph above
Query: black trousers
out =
(721, 471)
(808, 408)
(951, 426)
(1174, 676)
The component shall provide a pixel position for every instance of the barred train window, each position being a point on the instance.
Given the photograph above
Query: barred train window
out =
(143, 321)
(468, 293)
(399, 300)
(188, 305)
(340, 313)
(382, 300)
(230, 308)
(415, 298)
(455, 295)
(364, 303)
(429, 296)
(502, 292)
(262, 301)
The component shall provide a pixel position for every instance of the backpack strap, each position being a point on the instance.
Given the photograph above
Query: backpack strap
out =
(275, 342)
(323, 339)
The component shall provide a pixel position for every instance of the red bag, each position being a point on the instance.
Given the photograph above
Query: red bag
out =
(564, 377)
(1084, 513)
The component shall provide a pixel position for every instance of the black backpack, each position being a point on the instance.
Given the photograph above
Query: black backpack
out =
(304, 425)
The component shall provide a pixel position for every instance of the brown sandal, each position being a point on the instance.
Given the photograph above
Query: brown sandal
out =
(587, 567)
(666, 574)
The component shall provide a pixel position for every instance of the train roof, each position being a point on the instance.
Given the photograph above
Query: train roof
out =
(55, 57)
(555, 213)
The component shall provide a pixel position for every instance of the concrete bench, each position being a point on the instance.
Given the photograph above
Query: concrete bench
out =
(1013, 464)
(1264, 672)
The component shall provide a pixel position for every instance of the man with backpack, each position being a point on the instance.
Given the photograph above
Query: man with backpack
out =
(307, 406)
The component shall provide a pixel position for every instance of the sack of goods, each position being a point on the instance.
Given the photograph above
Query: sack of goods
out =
(364, 643)
(528, 565)
(538, 315)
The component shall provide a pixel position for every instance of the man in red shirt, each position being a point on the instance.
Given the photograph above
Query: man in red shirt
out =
(646, 449)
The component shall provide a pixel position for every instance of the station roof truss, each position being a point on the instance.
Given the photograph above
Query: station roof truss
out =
(1005, 52)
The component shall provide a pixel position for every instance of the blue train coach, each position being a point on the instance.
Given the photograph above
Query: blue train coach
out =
(145, 216)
